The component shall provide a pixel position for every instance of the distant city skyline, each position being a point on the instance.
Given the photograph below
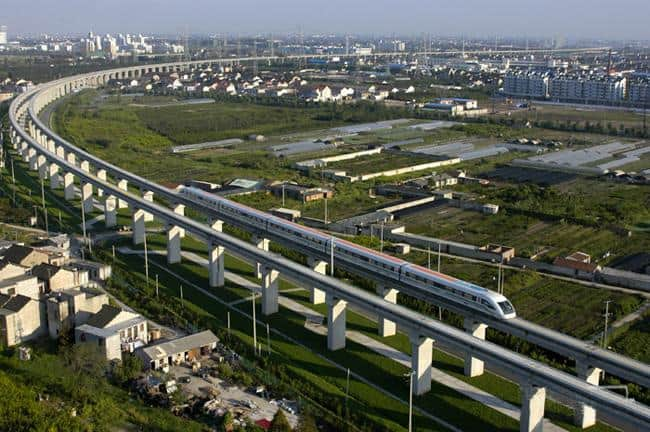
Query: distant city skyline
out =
(624, 19)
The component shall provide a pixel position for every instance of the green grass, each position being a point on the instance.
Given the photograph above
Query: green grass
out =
(635, 341)
(99, 405)
(193, 271)
(349, 200)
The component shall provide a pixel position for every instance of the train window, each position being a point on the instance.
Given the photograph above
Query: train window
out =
(506, 307)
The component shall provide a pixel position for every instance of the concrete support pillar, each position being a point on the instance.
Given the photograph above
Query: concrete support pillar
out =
(336, 317)
(41, 162)
(101, 174)
(85, 166)
(33, 159)
(147, 196)
(53, 174)
(532, 408)
(269, 290)
(317, 296)
(138, 226)
(87, 196)
(585, 415)
(124, 185)
(180, 210)
(473, 366)
(387, 327)
(216, 224)
(261, 243)
(173, 245)
(216, 267)
(71, 158)
(68, 186)
(110, 211)
(421, 358)
(60, 152)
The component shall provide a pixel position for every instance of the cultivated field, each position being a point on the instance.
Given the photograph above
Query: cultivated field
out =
(528, 235)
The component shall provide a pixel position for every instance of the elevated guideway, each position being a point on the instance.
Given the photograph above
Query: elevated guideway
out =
(62, 163)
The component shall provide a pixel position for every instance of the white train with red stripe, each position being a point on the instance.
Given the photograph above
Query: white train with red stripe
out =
(456, 290)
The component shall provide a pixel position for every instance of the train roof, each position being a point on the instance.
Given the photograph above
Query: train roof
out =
(370, 251)
(302, 227)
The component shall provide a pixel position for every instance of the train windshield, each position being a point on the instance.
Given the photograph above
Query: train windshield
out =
(506, 307)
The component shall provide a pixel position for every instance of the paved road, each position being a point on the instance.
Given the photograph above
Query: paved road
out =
(313, 322)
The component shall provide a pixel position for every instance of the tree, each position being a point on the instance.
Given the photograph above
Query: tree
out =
(280, 423)
(227, 422)
(307, 424)
(128, 369)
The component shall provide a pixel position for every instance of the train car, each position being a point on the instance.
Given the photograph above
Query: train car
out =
(465, 293)
(303, 235)
(380, 263)
(456, 290)
(237, 211)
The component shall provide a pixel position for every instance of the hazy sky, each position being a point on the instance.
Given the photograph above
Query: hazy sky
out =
(619, 19)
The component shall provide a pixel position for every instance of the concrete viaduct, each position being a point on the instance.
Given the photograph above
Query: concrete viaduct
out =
(62, 164)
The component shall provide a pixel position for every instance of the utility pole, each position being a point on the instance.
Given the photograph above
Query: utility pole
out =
(499, 278)
(83, 230)
(332, 257)
(47, 227)
(13, 178)
(146, 259)
(347, 387)
(429, 257)
(254, 323)
(156, 285)
(268, 338)
(438, 257)
(604, 341)
(325, 211)
(283, 194)
(411, 401)
(381, 241)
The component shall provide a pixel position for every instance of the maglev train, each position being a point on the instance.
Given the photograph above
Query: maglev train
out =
(456, 290)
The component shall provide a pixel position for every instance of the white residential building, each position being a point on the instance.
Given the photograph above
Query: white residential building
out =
(527, 84)
(71, 308)
(115, 331)
(21, 319)
(640, 92)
